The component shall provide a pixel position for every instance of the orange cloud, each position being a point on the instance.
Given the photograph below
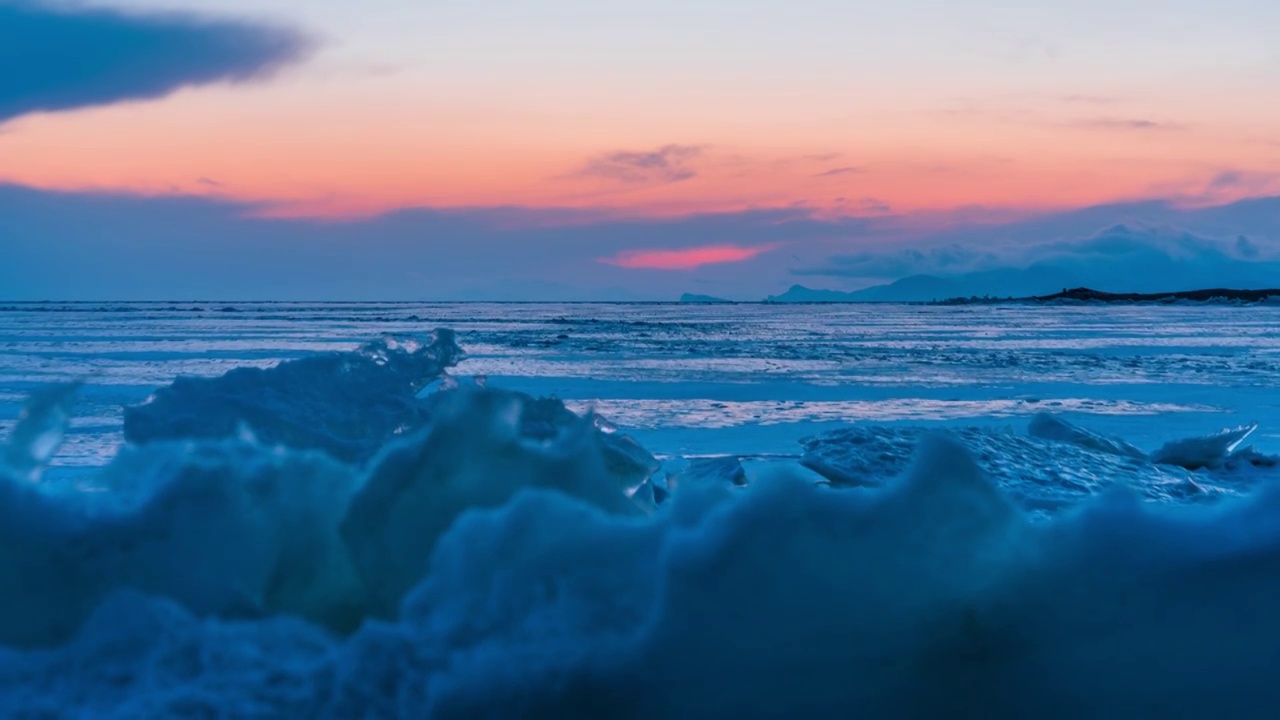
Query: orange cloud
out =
(687, 258)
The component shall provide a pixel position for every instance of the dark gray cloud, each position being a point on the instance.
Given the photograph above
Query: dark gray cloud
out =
(1121, 258)
(59, 57)
(107, 247)
(1226, 180)
(897, 263)
(667, 164)
(1246, 248)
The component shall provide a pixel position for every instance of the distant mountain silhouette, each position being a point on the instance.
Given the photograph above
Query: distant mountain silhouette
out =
(695, 298)
(925, 288)
(802, 294)
(1118, 260)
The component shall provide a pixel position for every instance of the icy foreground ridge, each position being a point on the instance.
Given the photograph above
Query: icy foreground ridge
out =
(504, 558)
(235, 528)
(1054, 465)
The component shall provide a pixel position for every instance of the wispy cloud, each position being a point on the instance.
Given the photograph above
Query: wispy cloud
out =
(1241, 180)
(686, 258)
(1037, 110)
(850, 170)
(667, 164)
(1232, 184)
(866, 205)
(1135, 124)
(874, 205)
(70, 57)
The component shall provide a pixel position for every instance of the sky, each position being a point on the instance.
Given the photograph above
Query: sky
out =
(599, 148)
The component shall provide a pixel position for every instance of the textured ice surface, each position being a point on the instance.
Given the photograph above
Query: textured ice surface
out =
(39, 431)
(235, 528)
(1053, 465)
(222, 527)
(485, 447)
(1210, 451)
(497, 555)
(929, 596)
(695, 472)
(674, 373)
(346, 404)
(1052, 427)
(728, 414)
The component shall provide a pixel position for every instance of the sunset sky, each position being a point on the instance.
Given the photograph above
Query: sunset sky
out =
(564, 113)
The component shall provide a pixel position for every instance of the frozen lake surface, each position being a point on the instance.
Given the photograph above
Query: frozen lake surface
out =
(705, 379)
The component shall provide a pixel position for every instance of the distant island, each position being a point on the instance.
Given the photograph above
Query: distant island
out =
(1090, 295)
(802, 294)
(695, 298)
(926, 288)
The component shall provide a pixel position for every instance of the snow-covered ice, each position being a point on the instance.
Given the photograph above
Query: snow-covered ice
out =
(905, 512)
(1052, 465)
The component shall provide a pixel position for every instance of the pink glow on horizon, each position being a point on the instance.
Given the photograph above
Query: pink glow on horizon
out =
(686, 258)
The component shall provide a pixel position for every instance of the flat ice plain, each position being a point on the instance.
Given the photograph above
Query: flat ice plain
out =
(696, 379)
(1084, 540)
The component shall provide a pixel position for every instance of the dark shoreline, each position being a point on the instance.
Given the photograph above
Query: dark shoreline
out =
(1098, 296)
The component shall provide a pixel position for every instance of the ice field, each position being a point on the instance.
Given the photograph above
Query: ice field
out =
(555, 510)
